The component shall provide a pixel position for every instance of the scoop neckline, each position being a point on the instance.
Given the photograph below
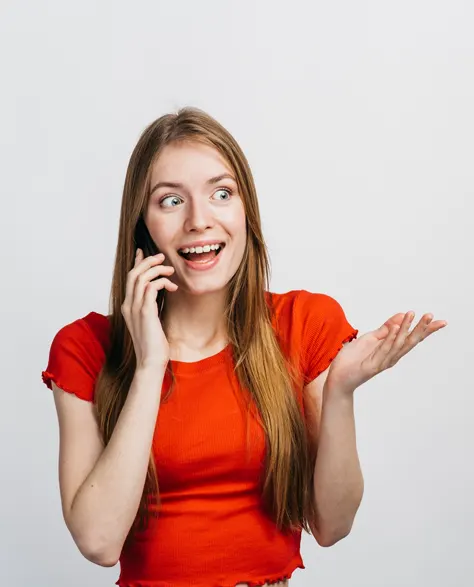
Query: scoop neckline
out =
(205, 364)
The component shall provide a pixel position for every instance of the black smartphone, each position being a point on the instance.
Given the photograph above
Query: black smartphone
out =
(143, 241)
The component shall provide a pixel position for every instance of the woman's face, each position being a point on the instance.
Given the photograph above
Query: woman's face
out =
(195, 204)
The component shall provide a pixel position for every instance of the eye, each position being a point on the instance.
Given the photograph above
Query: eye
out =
(223, 194)
(170, 201)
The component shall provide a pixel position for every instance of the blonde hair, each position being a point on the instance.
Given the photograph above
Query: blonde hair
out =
(261, 368)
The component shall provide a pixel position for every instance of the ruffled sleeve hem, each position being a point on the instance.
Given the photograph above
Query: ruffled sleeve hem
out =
(312, 374)
(48, 377)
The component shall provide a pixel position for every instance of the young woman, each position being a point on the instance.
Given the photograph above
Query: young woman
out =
(190, 417)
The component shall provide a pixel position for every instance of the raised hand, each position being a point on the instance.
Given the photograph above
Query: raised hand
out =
(140, 309)
(372, 353)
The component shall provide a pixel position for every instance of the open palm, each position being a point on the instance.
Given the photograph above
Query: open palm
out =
(372, 353)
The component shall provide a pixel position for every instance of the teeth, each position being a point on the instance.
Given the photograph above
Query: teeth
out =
(204, 249)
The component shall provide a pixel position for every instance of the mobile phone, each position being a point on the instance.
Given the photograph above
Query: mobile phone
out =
(142, 240)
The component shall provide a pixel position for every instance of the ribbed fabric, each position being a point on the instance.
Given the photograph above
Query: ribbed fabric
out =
(211, 530)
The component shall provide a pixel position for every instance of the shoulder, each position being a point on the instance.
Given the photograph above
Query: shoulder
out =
(310, 326)
(296, 306)
(92, 329)
(99, 327)
(77, 353)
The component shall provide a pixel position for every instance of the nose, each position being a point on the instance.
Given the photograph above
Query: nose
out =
(199, 217)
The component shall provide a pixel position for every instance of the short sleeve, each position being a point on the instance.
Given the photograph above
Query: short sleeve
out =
(75, 359)
(324, 330)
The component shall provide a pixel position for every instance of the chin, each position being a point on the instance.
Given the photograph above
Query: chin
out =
(203, 289)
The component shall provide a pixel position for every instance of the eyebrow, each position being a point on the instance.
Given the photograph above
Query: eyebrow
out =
(173, 184)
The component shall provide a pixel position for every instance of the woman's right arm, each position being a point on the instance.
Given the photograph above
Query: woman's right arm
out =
(101, 488)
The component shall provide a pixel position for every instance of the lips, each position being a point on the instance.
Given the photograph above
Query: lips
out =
(201, 261)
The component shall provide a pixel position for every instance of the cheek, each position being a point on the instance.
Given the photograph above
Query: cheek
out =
(236, 221)
(239, 235)
(242, 228)
(161, 232)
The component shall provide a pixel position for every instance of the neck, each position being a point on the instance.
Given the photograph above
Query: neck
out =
(194, 321)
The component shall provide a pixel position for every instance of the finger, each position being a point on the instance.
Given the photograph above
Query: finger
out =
(141, 265)
(435, 326)
(380, 354)
(417, 333)
(144, 279)
(423, 329)
(427, 326)
(155, 286)
(147, 262)
(157, 270)
(138, 257)
(151, 276)
(401, 341)
(163, 283)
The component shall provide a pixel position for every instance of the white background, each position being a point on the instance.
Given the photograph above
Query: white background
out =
(357, 119)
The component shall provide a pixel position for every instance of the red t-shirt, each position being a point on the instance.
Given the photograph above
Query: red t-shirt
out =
(211, 530)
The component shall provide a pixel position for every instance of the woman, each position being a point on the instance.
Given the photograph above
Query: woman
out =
(191, 416)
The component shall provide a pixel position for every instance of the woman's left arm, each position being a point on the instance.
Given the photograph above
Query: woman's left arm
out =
(329, 408)
(338, 483)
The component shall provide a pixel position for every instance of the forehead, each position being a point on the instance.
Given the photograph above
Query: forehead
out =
(189, 161)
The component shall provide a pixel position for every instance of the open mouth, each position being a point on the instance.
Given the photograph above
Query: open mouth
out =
(201, 254)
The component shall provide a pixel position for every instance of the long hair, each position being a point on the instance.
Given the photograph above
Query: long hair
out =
(260, 366)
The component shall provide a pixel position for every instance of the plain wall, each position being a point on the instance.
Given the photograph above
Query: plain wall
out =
(357, 119)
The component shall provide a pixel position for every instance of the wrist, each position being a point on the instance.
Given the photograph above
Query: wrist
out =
(338, 390)
(151, 368)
